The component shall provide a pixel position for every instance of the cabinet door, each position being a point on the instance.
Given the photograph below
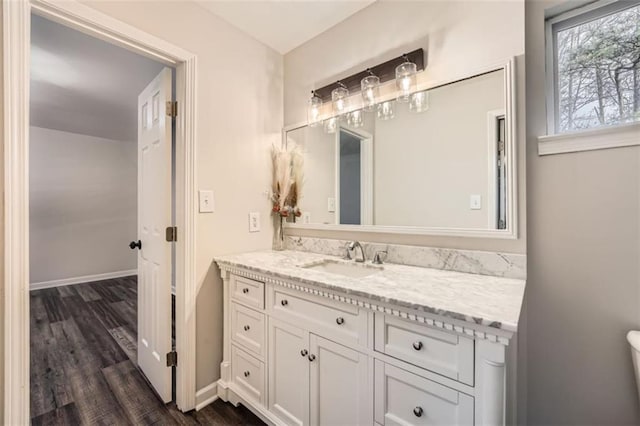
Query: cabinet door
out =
(341, 388)
(288, 373)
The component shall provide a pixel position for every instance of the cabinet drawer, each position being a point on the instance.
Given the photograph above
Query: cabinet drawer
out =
(248, 328)
(444, 353)
(403, 398)
(338, 321)
(249, 292)
(248, 374)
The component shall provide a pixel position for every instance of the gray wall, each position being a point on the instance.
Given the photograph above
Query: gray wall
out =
(82, 205)
(583, 251)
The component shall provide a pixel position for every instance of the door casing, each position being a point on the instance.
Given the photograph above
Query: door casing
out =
(16, 20)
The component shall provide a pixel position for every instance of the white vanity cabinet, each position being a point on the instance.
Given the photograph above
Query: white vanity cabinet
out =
(296, 354)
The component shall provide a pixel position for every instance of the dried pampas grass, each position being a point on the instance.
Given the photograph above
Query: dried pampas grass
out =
(288, 175)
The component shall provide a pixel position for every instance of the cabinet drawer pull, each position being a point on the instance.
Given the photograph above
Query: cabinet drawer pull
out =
(247, 373)
(284, 302)
(246, 328)
(417, 345)
(418, 411)
(312, 357)
(245, 290)
(340, 320)
(304, 352)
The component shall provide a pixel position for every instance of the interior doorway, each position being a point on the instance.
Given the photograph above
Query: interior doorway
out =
(101, 175)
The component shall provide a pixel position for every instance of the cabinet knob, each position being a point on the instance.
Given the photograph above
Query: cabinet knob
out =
(418, 411)
(246, 328)
(247, 373)
(340, 320)
(312, 357)
(304, 352)
(245, 290)
(284, 302)
(417, 345)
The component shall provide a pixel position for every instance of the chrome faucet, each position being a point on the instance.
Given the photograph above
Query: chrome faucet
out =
(356, 244)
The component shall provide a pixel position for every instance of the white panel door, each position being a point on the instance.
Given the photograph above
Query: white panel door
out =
(288, 373)
(341, 385)
(154, 216)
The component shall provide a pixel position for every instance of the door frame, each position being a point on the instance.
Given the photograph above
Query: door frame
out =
(16, 21)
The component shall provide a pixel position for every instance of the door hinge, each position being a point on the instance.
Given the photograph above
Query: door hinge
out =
(172, 109)
(172, 234)
(501, 146)
(172, 359)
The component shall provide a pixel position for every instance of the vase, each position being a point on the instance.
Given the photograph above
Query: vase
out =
(278, 232)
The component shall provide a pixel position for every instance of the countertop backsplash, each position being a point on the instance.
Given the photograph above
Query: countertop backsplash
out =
(507, 265)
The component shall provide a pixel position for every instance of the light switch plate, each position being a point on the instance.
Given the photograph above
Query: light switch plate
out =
(254, 222)
(206, 201)
(331, 205)
(475, 202)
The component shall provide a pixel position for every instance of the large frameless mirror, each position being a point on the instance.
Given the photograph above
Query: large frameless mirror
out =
(443, 163)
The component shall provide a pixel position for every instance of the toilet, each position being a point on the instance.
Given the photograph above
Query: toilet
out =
(634, 340)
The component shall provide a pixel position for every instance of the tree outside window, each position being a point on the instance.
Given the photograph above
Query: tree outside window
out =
(598, 72)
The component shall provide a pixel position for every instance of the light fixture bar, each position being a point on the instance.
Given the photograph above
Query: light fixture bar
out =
(385, 71)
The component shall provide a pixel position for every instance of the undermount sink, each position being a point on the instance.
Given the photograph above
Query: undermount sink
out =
(347, 269)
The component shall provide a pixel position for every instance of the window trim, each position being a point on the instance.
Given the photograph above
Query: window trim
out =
(563, 21)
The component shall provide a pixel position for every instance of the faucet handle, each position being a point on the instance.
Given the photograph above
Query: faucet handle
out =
(347, 252)
(377, 257)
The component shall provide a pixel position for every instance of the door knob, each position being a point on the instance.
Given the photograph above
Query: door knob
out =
(135, 244)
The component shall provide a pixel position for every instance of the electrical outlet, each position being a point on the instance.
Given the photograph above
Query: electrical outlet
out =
(331, 205)
(254, 222)
(306, 217)
(206, 201)
(475, 202)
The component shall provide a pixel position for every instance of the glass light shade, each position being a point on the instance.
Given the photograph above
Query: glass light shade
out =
(313, 111)
(385, 110)
(330, 125)
(419, 101)
(406, 80)
(339, 97)
(355, 119)
(370, 89)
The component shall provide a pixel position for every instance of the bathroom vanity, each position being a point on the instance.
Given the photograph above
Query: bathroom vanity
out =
(315, 339)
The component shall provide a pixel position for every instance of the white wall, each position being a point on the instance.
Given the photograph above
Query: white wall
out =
(459, 37)
(239, 117)
(83, 205)
(583, 289)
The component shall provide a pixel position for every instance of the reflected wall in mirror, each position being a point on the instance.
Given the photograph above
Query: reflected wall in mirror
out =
(442, 165)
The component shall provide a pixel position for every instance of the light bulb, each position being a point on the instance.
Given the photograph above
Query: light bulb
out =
(313, 112)
(406, 80)
(339, 97)
(370, 88)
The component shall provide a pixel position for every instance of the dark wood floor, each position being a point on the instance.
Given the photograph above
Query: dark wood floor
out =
(83, 362)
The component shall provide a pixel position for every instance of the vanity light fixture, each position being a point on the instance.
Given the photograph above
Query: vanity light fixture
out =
(370, 89)
(419, 101)
(355, 119)
(385, 110)
(313, 112)
(339, 97)
(406, 79)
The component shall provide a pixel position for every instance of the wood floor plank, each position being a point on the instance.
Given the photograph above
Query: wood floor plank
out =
(67, 290)
(127, 341)
(105, 313)
(48, 385)
(86, 292)
(95, 402)
(62, 416)
(128, 313)
(139, 403)
(54, 305)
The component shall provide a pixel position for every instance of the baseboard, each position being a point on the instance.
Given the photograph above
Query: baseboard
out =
(206, 395)
(80, 280)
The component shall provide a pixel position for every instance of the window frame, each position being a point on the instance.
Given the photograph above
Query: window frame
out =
(562, 21)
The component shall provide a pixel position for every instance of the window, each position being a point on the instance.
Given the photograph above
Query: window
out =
(593, 66)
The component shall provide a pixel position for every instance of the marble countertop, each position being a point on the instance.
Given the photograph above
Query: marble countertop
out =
(479, 299)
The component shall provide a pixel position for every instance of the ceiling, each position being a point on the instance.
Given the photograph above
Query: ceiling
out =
(284, 24)
(83, 85)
